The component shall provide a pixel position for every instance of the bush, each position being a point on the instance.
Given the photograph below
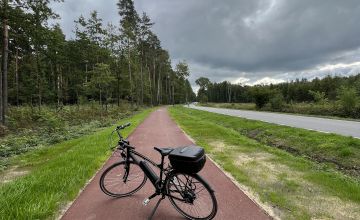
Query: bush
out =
(277, 102)
(319, 97)
(261, 96)
(348, 99)
(203, 98)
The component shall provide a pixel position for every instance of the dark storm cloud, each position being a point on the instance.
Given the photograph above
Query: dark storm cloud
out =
(252, 39)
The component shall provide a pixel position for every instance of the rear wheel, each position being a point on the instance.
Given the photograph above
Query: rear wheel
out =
(191, 196)
(120, 180)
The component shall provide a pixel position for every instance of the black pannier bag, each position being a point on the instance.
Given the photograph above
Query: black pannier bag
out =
(189, 159)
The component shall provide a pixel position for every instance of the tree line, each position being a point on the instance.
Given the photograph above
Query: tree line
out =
(105, 63)
(344, 90)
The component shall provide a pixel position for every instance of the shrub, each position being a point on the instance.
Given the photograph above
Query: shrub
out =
(203, 98)
(277, 102)
(319, 97)
(348, 99)
(261, 96)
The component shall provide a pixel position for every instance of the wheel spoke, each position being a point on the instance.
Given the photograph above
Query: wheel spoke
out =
(197, 200)
(200, 190)
(113, 184)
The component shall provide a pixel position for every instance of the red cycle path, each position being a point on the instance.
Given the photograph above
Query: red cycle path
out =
(160, 130)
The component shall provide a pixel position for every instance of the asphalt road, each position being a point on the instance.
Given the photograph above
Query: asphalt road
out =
(342, 127)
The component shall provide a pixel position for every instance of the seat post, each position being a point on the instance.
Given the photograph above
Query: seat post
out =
(161, 168)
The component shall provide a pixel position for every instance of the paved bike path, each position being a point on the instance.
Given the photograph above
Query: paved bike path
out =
(159, 130)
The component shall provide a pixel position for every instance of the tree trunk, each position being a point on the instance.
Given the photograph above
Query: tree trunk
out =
(38, 80)
(186, 95)
(118, 84)
(86, 72)
(77, 100)
(4, 67)
(173, 94)
(169, 89)
(130, 77)
(158, 89)
(100, 101)
(118, 91)
(58, 89)
(142, 84)
(141, 76)
(17, 76)
(154, 74)
(229, 93)
(1, 87)
(166, 89)
(150, 87)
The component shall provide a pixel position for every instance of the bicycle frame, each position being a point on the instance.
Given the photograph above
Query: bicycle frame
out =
(133, 156)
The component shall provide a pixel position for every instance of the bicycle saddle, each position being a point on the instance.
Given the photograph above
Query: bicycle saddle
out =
(164, 151)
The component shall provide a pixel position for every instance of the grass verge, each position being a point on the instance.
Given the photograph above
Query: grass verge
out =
(294, 186)
(56, 174)
(339, 151)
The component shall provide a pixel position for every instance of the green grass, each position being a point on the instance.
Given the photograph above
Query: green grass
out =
(57, 173)
(293, 185)
(30, 128)
(340, 151)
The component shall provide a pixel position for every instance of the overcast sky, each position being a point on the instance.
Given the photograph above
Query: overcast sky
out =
(246, 41)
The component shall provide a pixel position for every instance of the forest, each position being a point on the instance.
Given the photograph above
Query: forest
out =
(55, 88)
(104, 63)
(331, 95)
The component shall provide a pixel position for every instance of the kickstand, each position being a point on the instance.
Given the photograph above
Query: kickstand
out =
(156, 206)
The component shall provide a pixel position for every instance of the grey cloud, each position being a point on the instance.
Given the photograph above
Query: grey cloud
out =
(225, 40)
(245, 36)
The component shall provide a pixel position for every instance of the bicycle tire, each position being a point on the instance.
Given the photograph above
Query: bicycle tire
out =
(211, 213)
(119, 178)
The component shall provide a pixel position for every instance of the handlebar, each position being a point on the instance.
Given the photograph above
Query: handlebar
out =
(120, 127)
(122, 143)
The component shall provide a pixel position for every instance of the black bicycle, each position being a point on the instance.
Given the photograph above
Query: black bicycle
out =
(187, 191)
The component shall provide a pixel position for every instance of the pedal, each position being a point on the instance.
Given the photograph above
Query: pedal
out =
(146, 201)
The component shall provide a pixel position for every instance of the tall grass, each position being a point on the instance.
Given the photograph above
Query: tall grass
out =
(56, 174)
(30, 128)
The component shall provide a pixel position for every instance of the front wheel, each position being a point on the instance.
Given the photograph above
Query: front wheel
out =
(120, 179)
(191, 196)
